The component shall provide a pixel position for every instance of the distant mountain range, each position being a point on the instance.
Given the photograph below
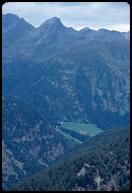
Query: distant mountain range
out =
(57, 74)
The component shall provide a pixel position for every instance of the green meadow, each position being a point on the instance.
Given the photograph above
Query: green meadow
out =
(82, 128)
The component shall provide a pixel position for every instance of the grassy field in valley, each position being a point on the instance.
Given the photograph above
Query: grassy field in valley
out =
(82, 128)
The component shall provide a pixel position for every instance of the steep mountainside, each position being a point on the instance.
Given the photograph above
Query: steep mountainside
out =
(29, 143)
(101, 164)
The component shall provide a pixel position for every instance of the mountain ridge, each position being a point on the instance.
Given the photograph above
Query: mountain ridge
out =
(59, 21)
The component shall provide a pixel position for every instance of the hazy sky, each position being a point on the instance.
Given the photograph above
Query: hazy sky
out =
(110, 15)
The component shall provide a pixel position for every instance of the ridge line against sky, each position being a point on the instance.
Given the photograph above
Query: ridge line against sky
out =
(64, 25)
(95, 15)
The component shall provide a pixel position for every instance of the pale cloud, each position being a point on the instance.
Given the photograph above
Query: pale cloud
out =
(114, 16)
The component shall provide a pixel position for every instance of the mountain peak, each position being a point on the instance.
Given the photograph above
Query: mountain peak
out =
(52, 21)
(10, 15)
(15, 24)
(86, 29)
(103, 30)
(10, 18)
